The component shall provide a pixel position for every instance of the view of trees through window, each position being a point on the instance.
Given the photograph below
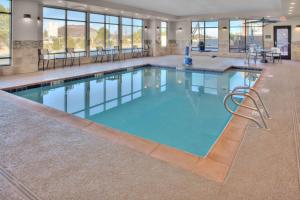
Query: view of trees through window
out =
(5, 32)
(112, 31)
(97, 31)
(132, 33)
(54, 33)
(67, 29)
(64, 29)
(244, 33)
(76, 30)
(205, 35)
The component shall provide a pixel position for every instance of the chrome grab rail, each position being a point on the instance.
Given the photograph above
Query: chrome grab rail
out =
(256, 108)
(257, 94)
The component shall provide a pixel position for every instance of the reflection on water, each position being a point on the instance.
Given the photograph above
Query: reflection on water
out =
(183, 109)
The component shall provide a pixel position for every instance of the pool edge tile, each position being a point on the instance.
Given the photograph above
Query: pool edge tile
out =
(212, 170)
(176, 157)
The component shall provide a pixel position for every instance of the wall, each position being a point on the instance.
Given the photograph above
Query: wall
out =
(295, 36)
(153, 36)
(27, 38)
(183, 38)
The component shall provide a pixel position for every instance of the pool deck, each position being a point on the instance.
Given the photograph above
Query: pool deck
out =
(200, 63)
(45, 157)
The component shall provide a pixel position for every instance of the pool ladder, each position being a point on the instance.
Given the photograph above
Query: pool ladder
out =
(245, 92)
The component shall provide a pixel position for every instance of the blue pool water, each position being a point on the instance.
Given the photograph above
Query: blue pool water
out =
(182, 109)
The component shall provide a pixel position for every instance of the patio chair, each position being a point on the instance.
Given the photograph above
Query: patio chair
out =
(146, 50)
(100, 53)
(136, 52)
(116, 53)
(72, 55)
(252, 54)
(275, 54)
(59, 56)
(44, 56)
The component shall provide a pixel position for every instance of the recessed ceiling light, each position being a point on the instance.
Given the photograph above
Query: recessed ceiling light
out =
(292, 7)
(292, 3)
(60, 1)
(136, 13)
(106, 9)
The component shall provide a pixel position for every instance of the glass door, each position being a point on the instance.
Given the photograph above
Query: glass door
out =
(282, 40)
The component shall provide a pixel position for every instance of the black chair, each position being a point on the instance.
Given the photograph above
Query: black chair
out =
(100, 53)
(59, 56)
(72, 55)
(116, 53)
(136, 52)
(45, 57)
(146, 50)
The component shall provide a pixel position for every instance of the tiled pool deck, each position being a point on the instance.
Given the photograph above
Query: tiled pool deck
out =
(52, 155)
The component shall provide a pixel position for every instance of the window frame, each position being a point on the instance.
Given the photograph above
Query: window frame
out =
(246, 27)
(118, 24)
(132, 26)
(88, 22)
(85, 27)
(10, 14)
(66, 20)
(204, 28)
(167, 26)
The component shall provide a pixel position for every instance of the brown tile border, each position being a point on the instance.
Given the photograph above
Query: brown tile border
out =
(215, 166)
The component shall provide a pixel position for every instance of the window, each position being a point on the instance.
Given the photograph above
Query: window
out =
(5, 32)
(163, 34)
(138, 33)
(132, 33)
(126, 33)
(68, 29)
(244, 33)
(112, 31)
(97, 31)
(64, 29)
(54, 35)
(76, 30)
(205, 36)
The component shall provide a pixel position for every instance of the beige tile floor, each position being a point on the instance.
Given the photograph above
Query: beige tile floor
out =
(43, 158)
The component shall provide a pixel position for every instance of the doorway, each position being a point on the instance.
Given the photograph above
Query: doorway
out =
(282, 40)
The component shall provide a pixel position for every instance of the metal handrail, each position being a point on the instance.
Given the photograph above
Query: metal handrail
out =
(230, 95)
(249, 107)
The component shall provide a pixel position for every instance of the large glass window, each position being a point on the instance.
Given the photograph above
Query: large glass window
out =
(54, 32)
(5, 32)
(64, 29)
(132, 33)
(137, 33)
(112, 31)
(76, 30)
(205, 36)
(163, 34)
(126, 33)
(67, 29)
(244, 33)
(97, 31)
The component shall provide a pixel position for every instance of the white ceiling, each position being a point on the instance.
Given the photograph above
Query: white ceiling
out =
(202, 7)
